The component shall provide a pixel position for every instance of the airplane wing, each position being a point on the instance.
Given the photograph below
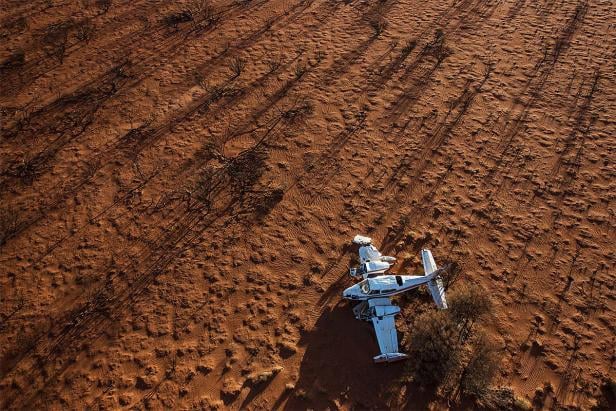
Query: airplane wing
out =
(385, 327)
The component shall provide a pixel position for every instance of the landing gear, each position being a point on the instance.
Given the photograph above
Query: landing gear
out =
(363, 311)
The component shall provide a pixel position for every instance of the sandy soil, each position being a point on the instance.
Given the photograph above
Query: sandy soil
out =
(180, 182)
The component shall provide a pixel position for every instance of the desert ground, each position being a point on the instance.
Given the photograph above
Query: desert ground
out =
(180, 183)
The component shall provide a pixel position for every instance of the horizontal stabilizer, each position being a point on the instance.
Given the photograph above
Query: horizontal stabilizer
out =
(435, 285)
(438, 292)
(428, 262)
(390, 357)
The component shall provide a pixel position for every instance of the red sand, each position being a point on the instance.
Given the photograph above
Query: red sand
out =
(178, 192)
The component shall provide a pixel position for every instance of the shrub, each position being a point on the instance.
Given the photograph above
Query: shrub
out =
(300, 70)
(433, 347)
(15, 60)
(409, 46)
(237, 66)
(173, 20)
(8, 226)
(467, 305)
(272, 65)
(269, 199)
(480, 369)
(378, 26)
(521, 404)
(55, 39)
(446, 357)
(103, 5)
(85, 31)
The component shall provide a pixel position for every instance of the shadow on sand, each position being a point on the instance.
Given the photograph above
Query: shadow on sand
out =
(337, 368)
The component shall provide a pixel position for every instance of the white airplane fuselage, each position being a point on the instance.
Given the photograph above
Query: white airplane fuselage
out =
(384, 286)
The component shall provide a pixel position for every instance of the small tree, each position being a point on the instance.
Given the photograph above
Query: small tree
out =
(480, 369)
(446, 353)
(467, 305)
(434, 348)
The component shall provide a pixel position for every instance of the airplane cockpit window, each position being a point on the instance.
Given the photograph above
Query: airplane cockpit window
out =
(399, 280)
(365, 287)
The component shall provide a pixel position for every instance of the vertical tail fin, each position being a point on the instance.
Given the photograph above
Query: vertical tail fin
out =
(435, 285)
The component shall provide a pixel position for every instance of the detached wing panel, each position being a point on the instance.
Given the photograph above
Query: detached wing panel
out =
(386, 335)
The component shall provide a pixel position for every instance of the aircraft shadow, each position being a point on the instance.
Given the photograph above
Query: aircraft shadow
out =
(337, 368)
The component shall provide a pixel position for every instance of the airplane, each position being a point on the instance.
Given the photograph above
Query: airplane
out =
(376, 306)
(371, 261)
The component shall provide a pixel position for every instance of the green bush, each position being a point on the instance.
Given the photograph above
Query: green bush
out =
(433, 348)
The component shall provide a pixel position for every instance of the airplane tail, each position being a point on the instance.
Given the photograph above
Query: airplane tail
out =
(438, 292)
(435, 285)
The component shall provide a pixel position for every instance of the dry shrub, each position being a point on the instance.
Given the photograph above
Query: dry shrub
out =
(378, 24)
(268, 200)
(103, 5)
(174, 19)
(300, 70)
(451, 274)
(85, 31)
(299, 112)
(437, 47)
(434, 348)
(467, 305)
(263, 377)
(448, 353)
(246, 169)
(521, 404)
(55, 39)
(273, 65)
(14, 61)
(8, 226)
(480, 369)
(503, 398)
(409, 46)
(204, 13)
(237, 66)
